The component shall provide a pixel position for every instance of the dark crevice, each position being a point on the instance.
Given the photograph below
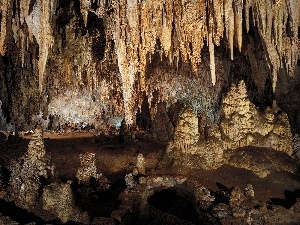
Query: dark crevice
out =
(31, 5)
(179, 202)
(94, 5)
(95, 27)
(290, 199)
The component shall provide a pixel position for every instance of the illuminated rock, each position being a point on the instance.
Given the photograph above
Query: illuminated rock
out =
(28, 171)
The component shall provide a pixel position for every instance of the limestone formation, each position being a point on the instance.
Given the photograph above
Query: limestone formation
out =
(88, 178)
(125, 35)
(129, 180)
(242, 124)
(87, 167)
(140, 164)
(262, 161)
(203, 196)
(28, 170)
(191, 149)
(58, 199)
(186, 132)
(162, 128)
(296, 146)
(249, 191)
(245, 125)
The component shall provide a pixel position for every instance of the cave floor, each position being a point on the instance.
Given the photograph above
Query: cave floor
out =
(115, 159)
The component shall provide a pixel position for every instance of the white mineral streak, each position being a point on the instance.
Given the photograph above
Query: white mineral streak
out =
(5, 10)
(39, 26)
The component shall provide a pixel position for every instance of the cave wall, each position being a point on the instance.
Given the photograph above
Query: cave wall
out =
(95, 61)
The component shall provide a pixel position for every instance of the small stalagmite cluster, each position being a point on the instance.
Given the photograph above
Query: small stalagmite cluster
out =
(241, 124)
(244, 125)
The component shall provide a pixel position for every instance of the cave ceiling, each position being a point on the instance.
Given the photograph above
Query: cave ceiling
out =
(98, 60)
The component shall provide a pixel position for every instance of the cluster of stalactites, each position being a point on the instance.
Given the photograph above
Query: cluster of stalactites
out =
(39, 26)
(183, 27)
(272, 18)
(5, 12)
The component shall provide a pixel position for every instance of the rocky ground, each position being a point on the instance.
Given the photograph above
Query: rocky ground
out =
(116, 158)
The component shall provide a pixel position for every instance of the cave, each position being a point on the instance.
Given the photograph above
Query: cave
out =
(149, 112)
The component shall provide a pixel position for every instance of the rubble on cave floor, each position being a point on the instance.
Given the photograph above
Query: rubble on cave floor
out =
(230, 194)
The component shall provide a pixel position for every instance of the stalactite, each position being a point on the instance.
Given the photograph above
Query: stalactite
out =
(6, 12)
(24, 10)
(248, 4)
(212, 59)
(182, 27)
(39, 26)
(229, 24)
(238, 20)
(218, 17)
(85, 6)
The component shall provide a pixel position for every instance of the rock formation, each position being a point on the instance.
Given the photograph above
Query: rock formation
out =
(242, 124)
(29, 171)
(88, 178)
(87, 168)
(58, 199)
(121, 40)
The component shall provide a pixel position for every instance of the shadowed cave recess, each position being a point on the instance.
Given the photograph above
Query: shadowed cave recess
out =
(149, 112)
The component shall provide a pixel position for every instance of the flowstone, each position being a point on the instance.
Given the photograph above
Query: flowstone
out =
(29, 170)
